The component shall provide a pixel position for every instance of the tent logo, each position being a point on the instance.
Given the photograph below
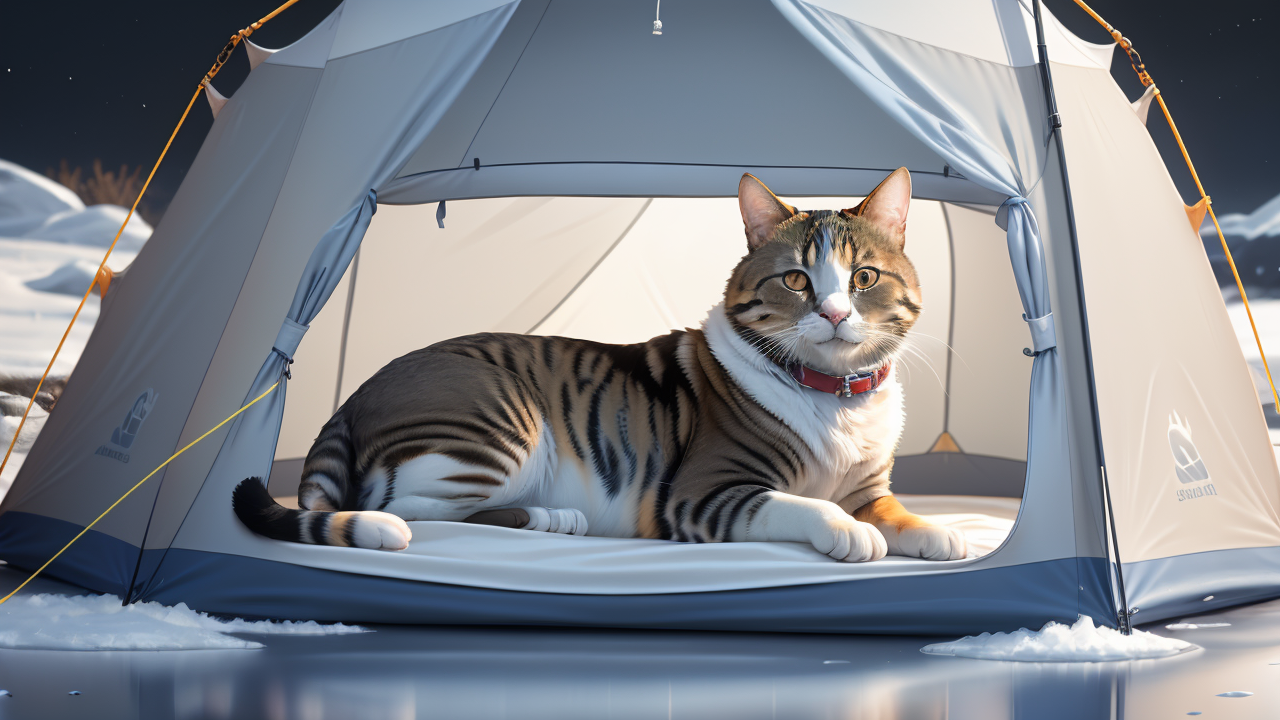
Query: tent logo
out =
(1187, 463)
(123, 436)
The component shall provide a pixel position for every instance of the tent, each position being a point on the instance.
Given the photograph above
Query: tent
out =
(570, 153)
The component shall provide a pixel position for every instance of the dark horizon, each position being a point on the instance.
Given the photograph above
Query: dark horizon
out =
(116, 81)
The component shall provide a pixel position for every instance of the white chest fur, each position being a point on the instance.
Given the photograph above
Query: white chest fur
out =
(848, 436)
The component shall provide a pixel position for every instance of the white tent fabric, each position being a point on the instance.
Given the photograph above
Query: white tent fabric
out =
(1160, 395)
(573, 147)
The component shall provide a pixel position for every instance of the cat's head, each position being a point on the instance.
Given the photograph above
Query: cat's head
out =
(830, 289)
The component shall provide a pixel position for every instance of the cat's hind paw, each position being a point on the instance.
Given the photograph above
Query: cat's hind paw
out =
(566, 521)
(372, 529)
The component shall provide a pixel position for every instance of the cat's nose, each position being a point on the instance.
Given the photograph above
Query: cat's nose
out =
(835, 308)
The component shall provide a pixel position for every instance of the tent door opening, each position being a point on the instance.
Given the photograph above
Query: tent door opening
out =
(623, 270)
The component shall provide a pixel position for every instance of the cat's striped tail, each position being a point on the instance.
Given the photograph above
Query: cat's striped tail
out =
(358, 528)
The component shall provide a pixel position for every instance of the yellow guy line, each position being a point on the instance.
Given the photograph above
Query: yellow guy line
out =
(1141, 69)
(135, 487)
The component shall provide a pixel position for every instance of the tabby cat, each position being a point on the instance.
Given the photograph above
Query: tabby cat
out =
(776, 421)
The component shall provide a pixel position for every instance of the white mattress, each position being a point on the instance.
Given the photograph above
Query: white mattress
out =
(502, 558)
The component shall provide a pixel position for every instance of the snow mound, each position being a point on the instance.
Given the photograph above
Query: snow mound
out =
(72, 278)
(1263, 222)
(95, 226)
(100, 622)
(28, 199)
(1055, 642)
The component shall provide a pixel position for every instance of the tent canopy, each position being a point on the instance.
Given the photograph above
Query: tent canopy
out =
(579, 152)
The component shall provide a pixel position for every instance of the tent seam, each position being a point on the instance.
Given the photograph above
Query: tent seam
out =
(389, 43)
(951, 325)
(678, 164)
(592, 269)
(498, 96)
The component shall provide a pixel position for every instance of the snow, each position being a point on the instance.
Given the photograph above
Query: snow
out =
(27, 200)
(1055, 642)
(94, 226)
(100, 622)
(1263, 222)
(1195, 626)
(50, 248)
(72, 278)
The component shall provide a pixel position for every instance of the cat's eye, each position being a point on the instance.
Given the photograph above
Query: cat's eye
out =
(865, 277)
(797, 281)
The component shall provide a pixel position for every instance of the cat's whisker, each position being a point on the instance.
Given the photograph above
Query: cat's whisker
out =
(925, 336)
(910, 353)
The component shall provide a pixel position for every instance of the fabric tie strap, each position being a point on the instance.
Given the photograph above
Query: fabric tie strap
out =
(287, 341)
(1002, 214)
(1043, 334)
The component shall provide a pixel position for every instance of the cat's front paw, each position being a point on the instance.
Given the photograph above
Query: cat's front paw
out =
(931, 542)
(849, 540)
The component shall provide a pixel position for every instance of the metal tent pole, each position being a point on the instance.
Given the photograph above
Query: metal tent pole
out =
(1055, 125)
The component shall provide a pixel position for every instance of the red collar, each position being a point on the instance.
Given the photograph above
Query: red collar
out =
(839, 385)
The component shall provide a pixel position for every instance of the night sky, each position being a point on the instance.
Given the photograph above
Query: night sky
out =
(86, 80)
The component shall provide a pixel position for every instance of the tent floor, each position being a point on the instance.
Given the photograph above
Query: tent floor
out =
(486, 556)
(400, 671)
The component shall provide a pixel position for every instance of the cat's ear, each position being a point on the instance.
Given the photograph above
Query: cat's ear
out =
(886, 207)
(762, 211)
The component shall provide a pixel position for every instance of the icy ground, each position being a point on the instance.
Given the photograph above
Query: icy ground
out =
(1055, 642)
(101, 622)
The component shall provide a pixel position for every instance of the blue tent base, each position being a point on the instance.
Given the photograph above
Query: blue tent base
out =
(1197, 583)
(964, 602)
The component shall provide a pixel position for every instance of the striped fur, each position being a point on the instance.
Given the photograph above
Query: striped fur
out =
(700, 435)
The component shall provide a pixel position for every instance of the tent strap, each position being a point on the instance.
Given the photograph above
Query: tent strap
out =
(102, 278)
(1140, 68)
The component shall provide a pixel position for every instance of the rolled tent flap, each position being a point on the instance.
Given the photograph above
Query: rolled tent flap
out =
(250, 444)
(1027, 255)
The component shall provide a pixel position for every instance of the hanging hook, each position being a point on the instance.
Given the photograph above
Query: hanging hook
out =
(657, 24)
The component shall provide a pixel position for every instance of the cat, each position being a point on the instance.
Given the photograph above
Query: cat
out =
(752, 428)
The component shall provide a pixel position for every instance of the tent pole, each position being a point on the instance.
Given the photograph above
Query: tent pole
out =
(1055, 125)
(346, 326)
